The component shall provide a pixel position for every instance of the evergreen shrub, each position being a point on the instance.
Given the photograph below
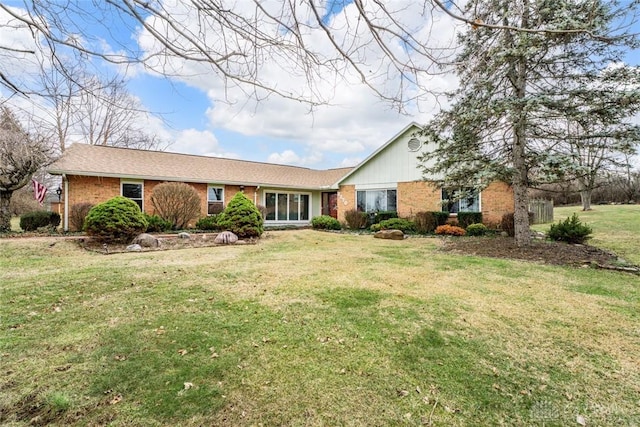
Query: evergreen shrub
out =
(383, 216)
(208, 223)
(117, 220)
(325, 222)
(155, 224)
(477, 229)
(31, 221)
(467, 218)
(571, 230)
(241, 217)
(403, 225)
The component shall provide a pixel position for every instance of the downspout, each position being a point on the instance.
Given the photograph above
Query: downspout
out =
(66, 202)
(255, 196)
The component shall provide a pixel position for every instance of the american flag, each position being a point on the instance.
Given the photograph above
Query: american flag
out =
(39, 191)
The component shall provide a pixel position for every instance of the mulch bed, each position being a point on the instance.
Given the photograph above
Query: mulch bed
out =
(543, 251)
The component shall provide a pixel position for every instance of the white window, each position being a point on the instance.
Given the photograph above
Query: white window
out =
(215, 200)
(133, 191)
(376, 200)
(287, 206)
(463, 200)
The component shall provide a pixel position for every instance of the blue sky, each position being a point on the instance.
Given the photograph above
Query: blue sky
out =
(274, 130)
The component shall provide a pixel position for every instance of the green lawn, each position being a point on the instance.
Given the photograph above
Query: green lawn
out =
(615, 227)
(312, 328)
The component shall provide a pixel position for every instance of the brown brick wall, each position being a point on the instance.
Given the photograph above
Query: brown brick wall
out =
(497, 199)
(346, 200)
(417, 196)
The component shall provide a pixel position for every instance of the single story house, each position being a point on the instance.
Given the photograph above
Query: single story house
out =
(387, 180)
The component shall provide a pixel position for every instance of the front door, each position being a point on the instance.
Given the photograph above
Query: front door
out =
(330, 204)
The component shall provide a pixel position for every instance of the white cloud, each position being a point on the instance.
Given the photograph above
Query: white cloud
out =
(289, 157)
(202, 143)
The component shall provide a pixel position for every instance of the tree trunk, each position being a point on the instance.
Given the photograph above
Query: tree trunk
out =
(5, 212)
(585, 198)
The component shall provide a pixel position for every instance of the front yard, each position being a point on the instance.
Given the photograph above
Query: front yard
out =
(313, 328)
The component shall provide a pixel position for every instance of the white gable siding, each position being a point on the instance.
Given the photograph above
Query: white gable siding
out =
(394, 163)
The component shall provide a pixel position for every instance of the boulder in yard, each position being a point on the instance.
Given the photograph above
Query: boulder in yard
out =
(146, 241)
(389, 234)
(134, 248)
(226, 238)
(184, 235)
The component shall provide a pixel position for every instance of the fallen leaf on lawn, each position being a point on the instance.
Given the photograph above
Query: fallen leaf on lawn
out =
(120, 357)
(182, 352)
(581, 420)
(116, 399)
(418, 389)
(160, 330)
(187, 386)
(496, 386)
(63, 368)
(402, 393)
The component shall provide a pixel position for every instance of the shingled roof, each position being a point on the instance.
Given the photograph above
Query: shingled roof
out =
(98, 160)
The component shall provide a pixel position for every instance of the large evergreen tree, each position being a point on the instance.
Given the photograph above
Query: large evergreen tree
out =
(516, 87)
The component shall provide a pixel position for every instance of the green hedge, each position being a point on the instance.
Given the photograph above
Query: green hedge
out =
(465, 219)
(33, 220)
(325, 222)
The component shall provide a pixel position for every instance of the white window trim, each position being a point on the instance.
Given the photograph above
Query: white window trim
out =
(132, 181)
(287, 221)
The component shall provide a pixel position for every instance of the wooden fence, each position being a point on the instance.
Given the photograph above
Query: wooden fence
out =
(542, 211)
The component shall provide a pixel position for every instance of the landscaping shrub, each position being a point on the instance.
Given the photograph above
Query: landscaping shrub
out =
(403, 225)
(31, 221)
(325, 222)
(383, 216)
(467, 218)
(450, 230)
(571, 230)
(426, 222)
(77, 214)
(155, 224)
(356, 220)
(241, 217)
(209, 223)
(176, 202)
(116, 220)
(477, 229)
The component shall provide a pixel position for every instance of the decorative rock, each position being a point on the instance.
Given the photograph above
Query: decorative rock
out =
(134, 248)
(184, 235)
(146, 241)
(389, 234)
(226, 238)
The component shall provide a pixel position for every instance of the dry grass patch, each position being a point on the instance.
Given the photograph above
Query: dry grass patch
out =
(312, 328)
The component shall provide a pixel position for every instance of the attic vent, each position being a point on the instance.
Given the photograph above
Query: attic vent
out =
(414, 144)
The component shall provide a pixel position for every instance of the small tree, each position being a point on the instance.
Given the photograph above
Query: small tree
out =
(21, 155)
(176, 202)
(241, 217)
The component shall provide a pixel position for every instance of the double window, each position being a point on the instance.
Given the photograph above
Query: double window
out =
(215, 200)
(463, 200)
(287, 206)
(376, 200)
(133, 191)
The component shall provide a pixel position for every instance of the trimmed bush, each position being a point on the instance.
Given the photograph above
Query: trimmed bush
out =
(241, 217)
(157, 224)
(176, 202)
(426, 222)
(209, 223)
(383, 216)
(467, 218)
(403, 225)
(325, 222)
(477, 230)
(356, 220)
(33, 220)
(77, 214)
(571, 230)
(450, 230)
(116, 220)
